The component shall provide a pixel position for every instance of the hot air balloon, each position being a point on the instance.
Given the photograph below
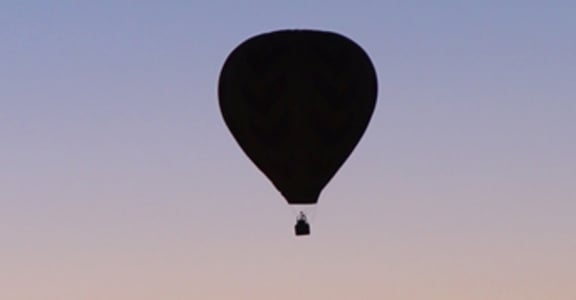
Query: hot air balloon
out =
(297, 102)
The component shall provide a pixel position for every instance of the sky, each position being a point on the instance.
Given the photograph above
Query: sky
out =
(119, 179)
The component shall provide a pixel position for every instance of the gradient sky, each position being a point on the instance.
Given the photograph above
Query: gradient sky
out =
(119, 180)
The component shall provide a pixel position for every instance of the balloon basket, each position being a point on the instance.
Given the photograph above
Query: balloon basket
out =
(302, 228)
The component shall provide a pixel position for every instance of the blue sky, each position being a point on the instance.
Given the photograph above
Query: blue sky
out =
(119, 180)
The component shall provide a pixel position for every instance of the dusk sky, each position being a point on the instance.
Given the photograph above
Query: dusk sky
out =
(120, 181)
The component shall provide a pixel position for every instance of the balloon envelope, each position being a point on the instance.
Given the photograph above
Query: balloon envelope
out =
(298, 102)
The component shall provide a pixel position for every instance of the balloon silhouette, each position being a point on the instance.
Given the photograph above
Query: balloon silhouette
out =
(298, 102)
